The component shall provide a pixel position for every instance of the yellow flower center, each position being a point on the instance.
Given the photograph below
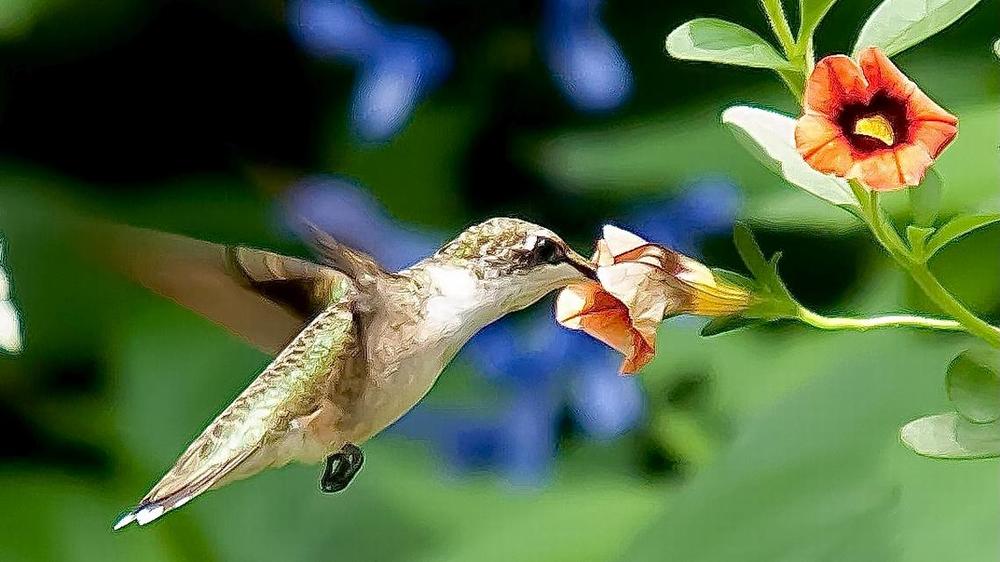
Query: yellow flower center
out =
(876, 127)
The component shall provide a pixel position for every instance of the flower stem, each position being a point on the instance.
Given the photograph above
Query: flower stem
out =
(779, 24)
(948, 303)
(889, 321)
(885, 233)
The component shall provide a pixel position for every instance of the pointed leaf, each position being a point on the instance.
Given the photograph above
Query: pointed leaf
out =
(811, 13)
(950, 436)
(956, 228)
(925, 199)
(973, 383)
(725, 324)
(897, 25)
(771, 138)
(750, 252)
(721, 41)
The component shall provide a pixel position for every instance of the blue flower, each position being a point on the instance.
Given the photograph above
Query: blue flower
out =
(586, 61)
(397, 65)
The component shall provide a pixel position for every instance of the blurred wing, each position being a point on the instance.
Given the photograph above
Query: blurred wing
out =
(249, 435)
(261, 296)
(356, 264)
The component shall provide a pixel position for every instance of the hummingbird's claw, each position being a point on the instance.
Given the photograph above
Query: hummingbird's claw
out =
(341, 468)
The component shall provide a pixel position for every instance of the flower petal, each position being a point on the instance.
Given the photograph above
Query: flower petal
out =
(885, 77)
(835, 82)
(889, 170)
(590, 308)
(620, 241)
(822, 145)
(933, 135)
(603, 255)
(644, 291)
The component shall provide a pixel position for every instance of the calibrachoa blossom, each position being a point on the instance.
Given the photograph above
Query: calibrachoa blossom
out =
(868, 121)
(640, 285)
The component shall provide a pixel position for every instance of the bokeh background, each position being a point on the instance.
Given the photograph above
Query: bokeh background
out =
(394, 124)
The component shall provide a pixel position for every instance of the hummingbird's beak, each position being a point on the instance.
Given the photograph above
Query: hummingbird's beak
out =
(581, 264)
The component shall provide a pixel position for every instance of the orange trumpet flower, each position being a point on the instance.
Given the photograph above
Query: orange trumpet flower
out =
(640, 285)
(868, 121)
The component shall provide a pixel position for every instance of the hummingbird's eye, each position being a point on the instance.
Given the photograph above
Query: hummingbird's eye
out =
(547, 250)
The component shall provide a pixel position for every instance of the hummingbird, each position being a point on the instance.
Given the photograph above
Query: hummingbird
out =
(355, 346)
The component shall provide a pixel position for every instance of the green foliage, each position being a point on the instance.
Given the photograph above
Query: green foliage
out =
(811, 13)
(724, 324)
(973, 384)
(897, 25)
(770, 137)
(772, 299)
(925, 200)
(724, 42)
(951, 436)
(805, 477)
(973, 432)
(955, 229)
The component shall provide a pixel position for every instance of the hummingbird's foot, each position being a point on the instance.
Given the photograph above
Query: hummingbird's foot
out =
(341, 468)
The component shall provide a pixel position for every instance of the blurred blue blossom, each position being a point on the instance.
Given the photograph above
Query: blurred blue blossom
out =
(704, 208)
(397, 65)
(587, 63)
(542, 370)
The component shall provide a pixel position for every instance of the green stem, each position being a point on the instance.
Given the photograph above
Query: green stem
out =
(779, 24)
(888, 321)
(885, 233)
(948, 303)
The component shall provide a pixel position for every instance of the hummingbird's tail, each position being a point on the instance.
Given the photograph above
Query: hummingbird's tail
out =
(167, 495)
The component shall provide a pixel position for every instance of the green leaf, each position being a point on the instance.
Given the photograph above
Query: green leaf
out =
(773, 300)
(771, 138)
(750, 252)
(973, 383)
(950, 436)
(897, 25)
(925, 200)
(725, 324)
(956, 228)
(811, 13)
(724, 42)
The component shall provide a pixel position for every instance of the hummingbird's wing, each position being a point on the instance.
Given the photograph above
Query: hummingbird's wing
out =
(261, 296)
(283, 415)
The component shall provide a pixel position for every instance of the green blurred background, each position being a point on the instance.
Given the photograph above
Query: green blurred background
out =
(776, 444)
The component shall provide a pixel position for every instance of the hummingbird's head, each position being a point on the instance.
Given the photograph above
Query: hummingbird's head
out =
(515, 261)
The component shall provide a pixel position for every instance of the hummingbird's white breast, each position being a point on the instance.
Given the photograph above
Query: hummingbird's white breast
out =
(415, 352)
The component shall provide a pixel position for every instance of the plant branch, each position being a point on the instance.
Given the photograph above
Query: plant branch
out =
(888, 321)
(948, 303)
(885, 233)
(779, 24)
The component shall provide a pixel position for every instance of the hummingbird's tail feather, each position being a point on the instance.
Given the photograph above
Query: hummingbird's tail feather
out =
(169, 494)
